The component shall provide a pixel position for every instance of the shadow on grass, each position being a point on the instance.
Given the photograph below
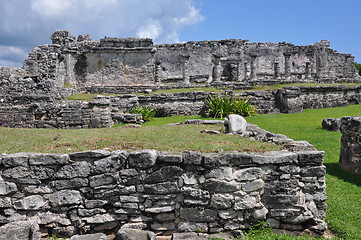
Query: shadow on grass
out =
(335, 170)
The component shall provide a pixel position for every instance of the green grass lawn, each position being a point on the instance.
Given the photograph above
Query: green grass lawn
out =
(343, 188)
(164, 138)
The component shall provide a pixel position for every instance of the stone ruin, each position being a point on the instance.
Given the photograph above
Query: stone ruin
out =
(137, 61)
(99, 191)
(33, 96)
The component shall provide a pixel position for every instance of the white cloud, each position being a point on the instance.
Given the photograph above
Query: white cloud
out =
(11, 56)
(51, 8)
(151, 30)
(27, 23)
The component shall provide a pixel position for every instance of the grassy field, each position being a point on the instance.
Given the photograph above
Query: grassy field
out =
(164, 138)
(343, 188)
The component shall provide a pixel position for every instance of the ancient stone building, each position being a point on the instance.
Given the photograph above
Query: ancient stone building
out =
(136, 61)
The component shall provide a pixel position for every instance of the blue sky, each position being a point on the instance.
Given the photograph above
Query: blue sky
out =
(300, 22)
(25, 24)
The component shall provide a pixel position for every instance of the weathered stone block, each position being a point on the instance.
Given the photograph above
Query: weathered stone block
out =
(5, 202)
(222, 201)
(331, 124)
(260, 214)
(34, 202)
(164, 209)
(75, 170)
(21, 230)
(221, 173)
(198, 214)
(134, 199)
(221, 186)
(104, 218)
(7, 187)
(253, 186)
(190, 227)
(248, 174)
(94, 203)
(14, 160)
(71, 183)
(170, 226)
(17, 173)
(215, 159)
(318, 171)
(102, 180)
(194, 195)
(192, 158)
(227, 214)
(142, 159)
(161, 188)
(95, 236)
(134, 234)
(165, 217)
(90, 212)
(244, 203)
(48, 159)
(164, 174)
(65, 197)
(311, 157)
(170, 158)
(89, 155)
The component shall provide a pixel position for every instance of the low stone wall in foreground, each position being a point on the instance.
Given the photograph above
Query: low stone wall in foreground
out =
(101, 191)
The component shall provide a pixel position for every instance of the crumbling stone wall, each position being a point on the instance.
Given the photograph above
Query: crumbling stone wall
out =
(18, 87)
(241, 61)
(285, 100)
(104, 111)
(83, 62)
(131, 61)
(100, 191)
(73, 114)
(350, 156)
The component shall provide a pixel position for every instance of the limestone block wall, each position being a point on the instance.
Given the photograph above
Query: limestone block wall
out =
(18, 87)
(73, 114)
(285, 100)
(350, 156)
(100, 191)
(326, 97)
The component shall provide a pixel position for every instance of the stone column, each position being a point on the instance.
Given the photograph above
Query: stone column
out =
(253, 67)
(307, 70)
(156, 72)
(287, 65)
(216, 74)
(246, 71)
(185, 62)
(240, 73)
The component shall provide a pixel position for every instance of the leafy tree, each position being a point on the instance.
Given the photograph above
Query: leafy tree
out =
(358, 67)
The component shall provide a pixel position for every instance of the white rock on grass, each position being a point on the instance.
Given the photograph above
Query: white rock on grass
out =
(235, 124)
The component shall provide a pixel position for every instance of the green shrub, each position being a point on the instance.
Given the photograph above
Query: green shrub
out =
(358, 67)
(220, 107)
(147, 112)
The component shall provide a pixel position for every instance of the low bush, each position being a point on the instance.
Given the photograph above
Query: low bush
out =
(222, 106)
(147, 112)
